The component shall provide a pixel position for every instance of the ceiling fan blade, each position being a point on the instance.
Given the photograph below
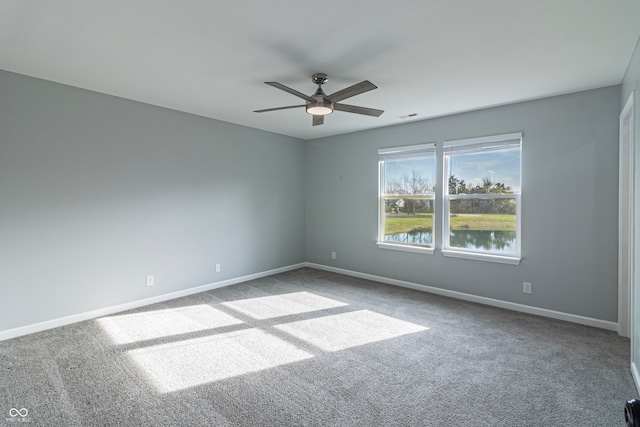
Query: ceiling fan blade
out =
(317, 120)
(291, 91)
(278, 108)
(354, 90)
(358, 110)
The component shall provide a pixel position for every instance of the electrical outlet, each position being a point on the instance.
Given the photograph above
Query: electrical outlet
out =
(526, 287)
(150, 281)
(333, 255)
(217, 268)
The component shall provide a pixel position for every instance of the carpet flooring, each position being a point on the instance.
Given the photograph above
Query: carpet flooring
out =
(313, 348)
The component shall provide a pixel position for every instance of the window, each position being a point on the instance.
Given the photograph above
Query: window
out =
(407, 198)
(481, 206)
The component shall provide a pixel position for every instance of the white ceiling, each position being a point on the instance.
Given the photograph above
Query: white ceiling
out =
(427, 57)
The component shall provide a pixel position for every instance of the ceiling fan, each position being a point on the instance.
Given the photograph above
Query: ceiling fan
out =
(319, 104)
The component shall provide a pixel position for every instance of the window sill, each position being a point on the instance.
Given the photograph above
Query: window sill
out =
(482, 257)
(406, 248)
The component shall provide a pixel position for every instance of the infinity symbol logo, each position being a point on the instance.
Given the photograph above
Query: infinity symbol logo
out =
(23, 412)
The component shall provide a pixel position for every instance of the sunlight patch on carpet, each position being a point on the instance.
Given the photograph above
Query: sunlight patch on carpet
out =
(283, 305)
(129, 328)
(347, 330)
(189, 363)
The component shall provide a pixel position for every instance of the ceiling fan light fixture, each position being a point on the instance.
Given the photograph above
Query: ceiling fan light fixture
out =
(320, 108)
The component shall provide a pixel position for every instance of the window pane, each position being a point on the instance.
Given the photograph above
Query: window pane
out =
(408, 220)
(495, 171)
(412, 176)
(408, 198)
(483, 225)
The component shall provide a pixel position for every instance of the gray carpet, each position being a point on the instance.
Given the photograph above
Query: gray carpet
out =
(312, 348)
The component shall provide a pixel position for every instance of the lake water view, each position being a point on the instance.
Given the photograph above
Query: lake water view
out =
(414, 237)
(487, 240)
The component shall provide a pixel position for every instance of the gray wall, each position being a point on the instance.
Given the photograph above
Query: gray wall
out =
(569, 204)
(97, 192)
(631, 81)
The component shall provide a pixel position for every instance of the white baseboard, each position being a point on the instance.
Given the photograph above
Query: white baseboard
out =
(636, 376)
(54, 323)
(603, 324)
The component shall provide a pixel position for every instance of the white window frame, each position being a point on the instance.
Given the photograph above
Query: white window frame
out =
(470, 145)
(398, 153)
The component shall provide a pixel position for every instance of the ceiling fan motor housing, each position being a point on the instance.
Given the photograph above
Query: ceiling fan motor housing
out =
(320, 107)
